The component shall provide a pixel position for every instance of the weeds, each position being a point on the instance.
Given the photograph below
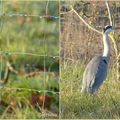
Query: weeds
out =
(102, 105)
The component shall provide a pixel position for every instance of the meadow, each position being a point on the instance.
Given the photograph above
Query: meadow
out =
(79, 44)
(29, 43)
(102, 105)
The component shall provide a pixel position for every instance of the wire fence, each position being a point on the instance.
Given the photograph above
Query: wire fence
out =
(5, 54)
(27, 15)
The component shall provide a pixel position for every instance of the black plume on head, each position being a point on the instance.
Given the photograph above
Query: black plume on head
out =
(107, 27)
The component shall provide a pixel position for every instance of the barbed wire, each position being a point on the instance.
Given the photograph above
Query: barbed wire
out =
(45, 54)
(25, 53)
(27, 89)
(27, 15)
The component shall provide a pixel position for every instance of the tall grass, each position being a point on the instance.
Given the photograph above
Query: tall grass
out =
(102, 105)
(20, 34)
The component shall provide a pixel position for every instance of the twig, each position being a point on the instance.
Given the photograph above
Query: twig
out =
(109, 13)
(32, 74)
(118, 55)
(114, 44)
(6, 75)
(85, 22)
(47, 7)
(112, 35)
(11, 68)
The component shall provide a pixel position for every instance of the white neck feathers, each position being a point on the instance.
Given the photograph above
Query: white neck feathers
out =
(106, 43)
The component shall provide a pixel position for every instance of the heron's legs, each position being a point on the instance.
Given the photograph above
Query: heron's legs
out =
(83, 90)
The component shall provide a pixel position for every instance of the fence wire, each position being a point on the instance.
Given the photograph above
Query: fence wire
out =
(27, 15)
(6, 53)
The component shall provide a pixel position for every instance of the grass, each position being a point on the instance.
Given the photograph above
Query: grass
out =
(22, 98)
(26, 113)
(29, 35)
(102, 105)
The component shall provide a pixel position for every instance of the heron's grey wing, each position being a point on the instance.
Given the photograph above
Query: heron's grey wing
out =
(100, 75)
(90, 71)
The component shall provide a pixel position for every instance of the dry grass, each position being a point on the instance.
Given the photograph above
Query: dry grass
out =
(102, 105)
(78, 46)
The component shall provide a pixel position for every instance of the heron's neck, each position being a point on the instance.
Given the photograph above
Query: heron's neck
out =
(106, 42)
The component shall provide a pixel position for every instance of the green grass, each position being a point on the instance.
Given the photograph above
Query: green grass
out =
(26, 113)
(39, 82)
(102, 105)
(29, 35)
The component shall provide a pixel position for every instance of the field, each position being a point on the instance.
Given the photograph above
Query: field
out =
(33, 59)
(29, 50)
(103, 105)
(79, 44)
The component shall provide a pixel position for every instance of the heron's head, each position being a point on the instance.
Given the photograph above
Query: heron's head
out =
(108, 29)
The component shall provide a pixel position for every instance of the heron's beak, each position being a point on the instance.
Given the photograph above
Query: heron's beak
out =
(113, 28)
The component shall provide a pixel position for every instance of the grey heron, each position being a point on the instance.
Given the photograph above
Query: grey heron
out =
(96, 70)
